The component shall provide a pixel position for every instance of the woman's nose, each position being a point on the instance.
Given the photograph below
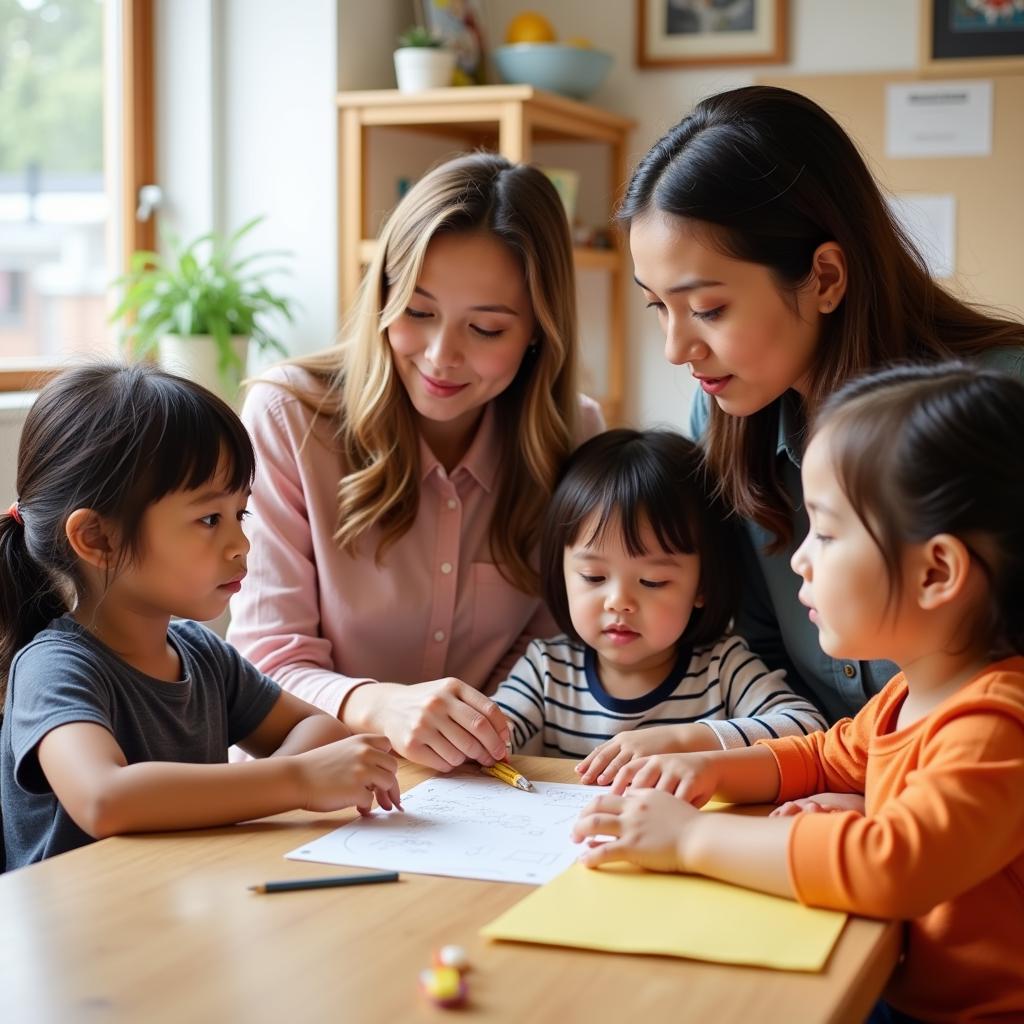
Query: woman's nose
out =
(684, 345)
(444, 351)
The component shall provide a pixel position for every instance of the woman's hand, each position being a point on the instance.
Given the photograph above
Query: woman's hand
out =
(602, 764)
(349, 772)
(646, 828)
(440, 724)
(820, 803)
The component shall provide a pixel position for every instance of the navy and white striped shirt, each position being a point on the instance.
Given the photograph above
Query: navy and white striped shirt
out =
(556, 705)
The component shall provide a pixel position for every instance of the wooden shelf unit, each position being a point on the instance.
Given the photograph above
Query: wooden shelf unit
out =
(507, 119)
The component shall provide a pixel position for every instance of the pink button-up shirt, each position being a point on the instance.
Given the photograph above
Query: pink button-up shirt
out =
(320, 621)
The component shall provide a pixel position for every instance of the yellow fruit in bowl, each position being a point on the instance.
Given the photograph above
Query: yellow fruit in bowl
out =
(580, 42)
(529, 27)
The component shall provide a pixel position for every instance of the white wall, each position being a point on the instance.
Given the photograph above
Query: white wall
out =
(825, 36)
(246, 126)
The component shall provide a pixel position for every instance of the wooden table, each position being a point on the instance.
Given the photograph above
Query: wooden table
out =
(152, 929)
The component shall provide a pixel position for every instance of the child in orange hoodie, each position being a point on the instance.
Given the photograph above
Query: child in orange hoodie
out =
(914, 486)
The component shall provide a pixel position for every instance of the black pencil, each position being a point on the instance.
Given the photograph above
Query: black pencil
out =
(325, 883)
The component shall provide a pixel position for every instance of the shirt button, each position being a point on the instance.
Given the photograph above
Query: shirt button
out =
(439, 635)
(849, 671)
(453, 504)
(446, 567)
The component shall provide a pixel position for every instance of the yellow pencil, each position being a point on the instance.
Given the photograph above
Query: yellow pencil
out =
(506, 773)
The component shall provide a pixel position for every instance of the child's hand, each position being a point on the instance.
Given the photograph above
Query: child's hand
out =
(690, 777)
(647, 829)
(603, 763)
(349, 771)
(820, 803)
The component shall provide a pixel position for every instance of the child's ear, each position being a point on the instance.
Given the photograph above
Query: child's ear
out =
(945, 569)
(90, 538)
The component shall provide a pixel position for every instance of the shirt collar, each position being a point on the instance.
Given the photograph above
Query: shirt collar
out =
(480, 461)
(790, 439)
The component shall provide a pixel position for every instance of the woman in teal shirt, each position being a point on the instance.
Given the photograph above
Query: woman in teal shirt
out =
(778, 273)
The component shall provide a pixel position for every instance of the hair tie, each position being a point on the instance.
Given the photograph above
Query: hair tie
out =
(15, 513)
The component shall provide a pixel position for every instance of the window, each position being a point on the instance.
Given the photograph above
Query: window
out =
(69, 72)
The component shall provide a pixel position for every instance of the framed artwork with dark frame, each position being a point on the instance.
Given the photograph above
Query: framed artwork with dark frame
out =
(696, 33)
(972, 37)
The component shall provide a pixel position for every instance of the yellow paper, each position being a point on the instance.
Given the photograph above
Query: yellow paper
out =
(624, 910)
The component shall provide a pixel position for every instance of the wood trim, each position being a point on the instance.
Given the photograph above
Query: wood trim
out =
(476, 95)
(138, 130)
(27, 379)
(351, 212)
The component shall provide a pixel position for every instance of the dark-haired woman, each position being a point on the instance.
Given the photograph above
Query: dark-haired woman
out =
(768, 253)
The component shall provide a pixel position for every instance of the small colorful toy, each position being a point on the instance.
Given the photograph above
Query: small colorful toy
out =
(452, 956)
(443, 986)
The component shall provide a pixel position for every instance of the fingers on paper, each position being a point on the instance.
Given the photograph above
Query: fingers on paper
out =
(596, 854)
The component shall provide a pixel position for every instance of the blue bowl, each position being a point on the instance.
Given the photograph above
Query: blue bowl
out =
(569, 70)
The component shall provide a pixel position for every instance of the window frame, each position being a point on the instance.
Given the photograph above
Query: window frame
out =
(136, 150)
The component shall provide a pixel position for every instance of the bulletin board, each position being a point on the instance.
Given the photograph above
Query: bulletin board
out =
(989, 190)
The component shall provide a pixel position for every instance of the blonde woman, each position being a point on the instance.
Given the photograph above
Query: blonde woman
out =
(403, 474)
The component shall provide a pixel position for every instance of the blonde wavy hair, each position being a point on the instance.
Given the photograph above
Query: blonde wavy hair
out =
(536, 415)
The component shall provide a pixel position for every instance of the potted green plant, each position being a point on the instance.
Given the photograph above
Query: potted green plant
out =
(422, 61)
(201, 306)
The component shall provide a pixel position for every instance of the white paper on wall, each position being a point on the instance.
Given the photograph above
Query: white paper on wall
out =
(930, 220)
(938, 119)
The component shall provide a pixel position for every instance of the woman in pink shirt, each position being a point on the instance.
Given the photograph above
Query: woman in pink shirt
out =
(403, 473)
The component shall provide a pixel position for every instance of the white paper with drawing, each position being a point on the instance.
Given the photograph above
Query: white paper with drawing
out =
(464, 827)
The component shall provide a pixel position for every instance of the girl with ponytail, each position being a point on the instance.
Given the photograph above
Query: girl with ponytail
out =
(132, 488)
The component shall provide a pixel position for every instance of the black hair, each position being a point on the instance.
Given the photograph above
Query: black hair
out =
(924, 450)
(115, 439)
(631, 478)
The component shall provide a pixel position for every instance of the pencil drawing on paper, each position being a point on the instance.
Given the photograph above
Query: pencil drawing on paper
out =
(466, 827)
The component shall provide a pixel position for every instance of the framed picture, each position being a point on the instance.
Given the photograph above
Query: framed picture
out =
(692, 33)
(982, 37)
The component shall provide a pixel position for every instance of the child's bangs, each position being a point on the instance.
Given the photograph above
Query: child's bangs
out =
(639, 496)
(194, 441)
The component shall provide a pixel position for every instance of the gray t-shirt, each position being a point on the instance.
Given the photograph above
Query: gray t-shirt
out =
(66, 675)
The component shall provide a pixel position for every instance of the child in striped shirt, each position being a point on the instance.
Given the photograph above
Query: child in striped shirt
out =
(639, 569)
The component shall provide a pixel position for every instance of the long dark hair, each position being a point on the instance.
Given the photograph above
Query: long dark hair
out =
(776, 176)
(630, 478)
(925, 450)
(114, 439)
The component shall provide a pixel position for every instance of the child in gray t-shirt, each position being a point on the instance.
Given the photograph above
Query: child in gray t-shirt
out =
(132, 490)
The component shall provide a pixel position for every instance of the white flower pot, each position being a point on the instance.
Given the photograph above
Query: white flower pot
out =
(196, 356)
(423, 67)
